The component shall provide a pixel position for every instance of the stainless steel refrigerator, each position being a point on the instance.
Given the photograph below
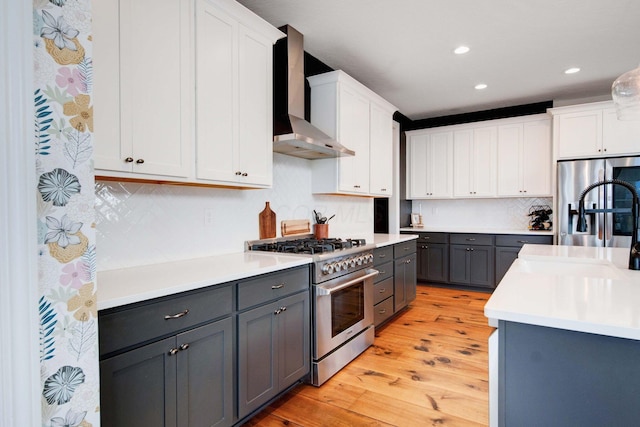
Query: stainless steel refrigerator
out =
(603, 229)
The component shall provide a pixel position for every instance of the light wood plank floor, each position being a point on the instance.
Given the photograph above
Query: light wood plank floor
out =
(428, 367)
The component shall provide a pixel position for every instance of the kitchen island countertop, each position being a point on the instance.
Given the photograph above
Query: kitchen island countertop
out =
(576, 288)
(135, 284)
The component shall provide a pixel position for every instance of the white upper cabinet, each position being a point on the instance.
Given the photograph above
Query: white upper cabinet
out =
(474, 162)
(168, 67)
(524, 158)
(143, 89)
(233, 98)
(381, 152)
(361, 121)
(430, 164)
(593, 130)
(496, 158)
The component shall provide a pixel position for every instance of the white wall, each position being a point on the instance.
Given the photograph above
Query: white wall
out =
(505, 213)
(140, 224)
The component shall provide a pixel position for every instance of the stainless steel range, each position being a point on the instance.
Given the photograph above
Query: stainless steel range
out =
(342, 297)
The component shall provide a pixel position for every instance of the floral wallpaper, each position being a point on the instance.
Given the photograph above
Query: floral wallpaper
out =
(63, 123)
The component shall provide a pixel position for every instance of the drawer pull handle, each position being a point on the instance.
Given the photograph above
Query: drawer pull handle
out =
(383, 311)
(280, 286)
(382, 290)
(176, 316)
(523, 241)
(383, 255)
(382, 271)
(184, 346)
(471, 240)
(173, 351)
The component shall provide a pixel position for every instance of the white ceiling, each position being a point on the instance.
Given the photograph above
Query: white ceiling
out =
(402, 49)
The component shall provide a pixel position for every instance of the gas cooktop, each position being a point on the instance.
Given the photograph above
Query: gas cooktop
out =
(306, 245)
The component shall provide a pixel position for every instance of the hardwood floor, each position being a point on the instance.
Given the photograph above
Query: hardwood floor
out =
(428, 367)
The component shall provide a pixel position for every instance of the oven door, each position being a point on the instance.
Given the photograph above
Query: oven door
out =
(343, 307)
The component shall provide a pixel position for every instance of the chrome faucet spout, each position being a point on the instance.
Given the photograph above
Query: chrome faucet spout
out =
(581, 226)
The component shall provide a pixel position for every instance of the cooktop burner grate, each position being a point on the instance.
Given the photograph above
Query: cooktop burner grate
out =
(308, 245)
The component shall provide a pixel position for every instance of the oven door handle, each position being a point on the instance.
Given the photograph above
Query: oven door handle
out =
(320, 290)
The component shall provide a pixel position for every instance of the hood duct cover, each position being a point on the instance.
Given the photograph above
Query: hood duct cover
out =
(293, 135)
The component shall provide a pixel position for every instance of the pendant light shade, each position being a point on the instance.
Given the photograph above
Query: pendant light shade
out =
(626, 95)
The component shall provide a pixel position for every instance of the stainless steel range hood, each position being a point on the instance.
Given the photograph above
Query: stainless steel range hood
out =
(293, 135)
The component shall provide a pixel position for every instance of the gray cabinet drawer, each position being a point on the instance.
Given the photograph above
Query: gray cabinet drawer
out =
(517, 240)
(126, 327)
(433, 238)
(272, 286)
(382, 255)
(386, 271)
(382, 311)
(404, 248)
(382, 290)
(472, 239)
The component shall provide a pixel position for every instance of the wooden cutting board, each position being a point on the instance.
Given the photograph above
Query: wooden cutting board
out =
(267, 222)
(295, 226)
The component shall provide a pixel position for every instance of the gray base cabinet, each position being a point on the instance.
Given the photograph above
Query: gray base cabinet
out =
(395, 286)
(173, 371)
(209, 357)
(477, 260)
(274, 344)
(556, 377)
(508, 246)
(472, 260)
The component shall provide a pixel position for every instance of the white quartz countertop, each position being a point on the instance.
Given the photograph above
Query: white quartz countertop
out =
(452, 229)
(129, 285)
(575, 288)
(135, 284)
(380, 240)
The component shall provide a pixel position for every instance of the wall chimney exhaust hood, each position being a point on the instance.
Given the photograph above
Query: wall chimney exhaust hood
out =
(293, 135)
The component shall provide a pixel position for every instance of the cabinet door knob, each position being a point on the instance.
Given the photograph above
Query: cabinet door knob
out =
(140, 161)
(173, 351)
(184, 346)
(129, 160)
(176, 316)
(245, 174)
(408, 261)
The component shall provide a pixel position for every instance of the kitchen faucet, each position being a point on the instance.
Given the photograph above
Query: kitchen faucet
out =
(581, 226)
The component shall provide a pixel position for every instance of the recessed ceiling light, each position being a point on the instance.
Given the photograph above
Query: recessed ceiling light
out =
(571, 70)
(480, 86)
(460, 50)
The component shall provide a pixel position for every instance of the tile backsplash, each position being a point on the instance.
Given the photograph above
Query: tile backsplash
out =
(505, 213)
(139, 224)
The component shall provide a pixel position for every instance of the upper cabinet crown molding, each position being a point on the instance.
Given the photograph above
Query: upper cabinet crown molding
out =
(362, 121)
(593, 129)
(195, 109)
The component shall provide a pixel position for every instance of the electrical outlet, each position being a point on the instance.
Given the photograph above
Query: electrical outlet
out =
(208, 217)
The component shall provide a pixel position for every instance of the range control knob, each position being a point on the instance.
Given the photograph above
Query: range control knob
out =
(327, 269)
(337, 266)
(352, 262)
(369, 257)
(359, 260)
(344, 264)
